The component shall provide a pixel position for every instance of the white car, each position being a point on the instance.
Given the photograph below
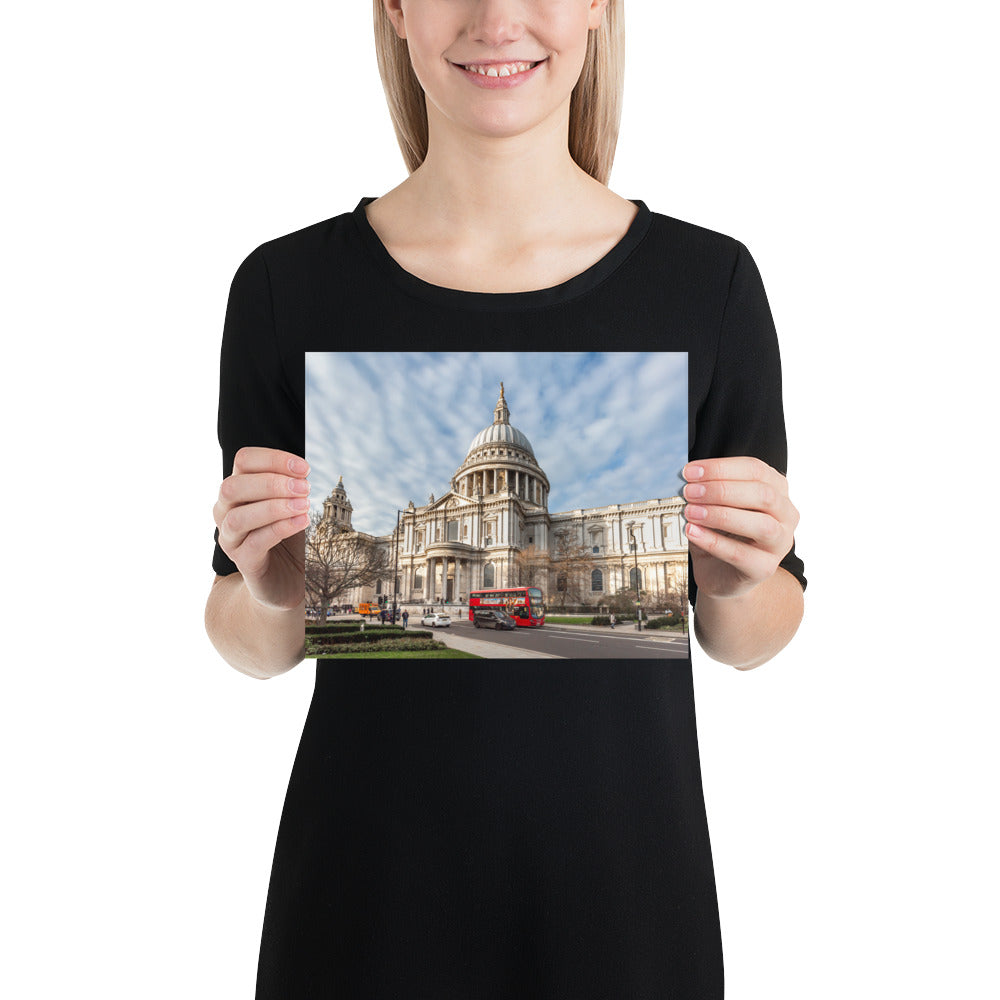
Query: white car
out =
(436, 620)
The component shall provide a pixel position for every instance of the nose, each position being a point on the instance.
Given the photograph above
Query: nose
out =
(497, 22)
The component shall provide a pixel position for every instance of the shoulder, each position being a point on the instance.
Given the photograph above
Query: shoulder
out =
(700, 246)
(307, 245)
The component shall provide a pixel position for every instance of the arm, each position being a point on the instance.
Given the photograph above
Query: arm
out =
(257, 641)
(747, 631)
(740, 526)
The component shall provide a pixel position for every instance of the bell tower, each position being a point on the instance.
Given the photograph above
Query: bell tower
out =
(337, 509)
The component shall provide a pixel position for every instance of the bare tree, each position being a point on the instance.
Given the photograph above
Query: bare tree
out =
(338, 561)
(571, 567)
(532, 565)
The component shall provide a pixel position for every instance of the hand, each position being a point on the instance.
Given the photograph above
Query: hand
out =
(740, 523)
(261, 513)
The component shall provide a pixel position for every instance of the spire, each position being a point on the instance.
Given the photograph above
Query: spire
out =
(501, 415)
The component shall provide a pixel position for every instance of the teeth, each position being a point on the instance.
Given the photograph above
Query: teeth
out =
(507, 69)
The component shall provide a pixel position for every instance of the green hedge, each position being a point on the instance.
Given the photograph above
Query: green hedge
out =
(606, 620)
(394, 646)
(368, 636)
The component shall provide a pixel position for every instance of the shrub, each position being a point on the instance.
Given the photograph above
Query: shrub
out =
(393, 646)
(362, 638)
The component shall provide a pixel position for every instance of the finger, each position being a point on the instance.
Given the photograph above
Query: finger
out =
(252, 486)
(744, 467)
(240, 521)
(269, 460)
(251, 556)
(759, 529)
(751, 561)
(738, 493)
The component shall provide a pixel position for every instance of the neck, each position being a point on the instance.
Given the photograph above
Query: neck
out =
(523, 185)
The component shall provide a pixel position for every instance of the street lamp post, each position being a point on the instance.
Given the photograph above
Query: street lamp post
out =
(395, 563)
(638, 598)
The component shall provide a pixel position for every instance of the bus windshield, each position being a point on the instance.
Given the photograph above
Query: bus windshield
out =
(536, 605)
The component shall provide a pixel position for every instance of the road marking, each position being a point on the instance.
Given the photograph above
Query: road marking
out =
(573, 638)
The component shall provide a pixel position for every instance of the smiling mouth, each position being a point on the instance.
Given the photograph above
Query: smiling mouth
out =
(499, 68)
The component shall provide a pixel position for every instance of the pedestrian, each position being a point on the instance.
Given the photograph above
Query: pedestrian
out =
(376, 889)
(612, 619)
(406, 617)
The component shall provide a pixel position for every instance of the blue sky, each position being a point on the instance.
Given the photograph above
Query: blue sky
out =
(605, 428)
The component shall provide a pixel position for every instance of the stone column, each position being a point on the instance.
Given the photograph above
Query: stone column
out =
(458, 576)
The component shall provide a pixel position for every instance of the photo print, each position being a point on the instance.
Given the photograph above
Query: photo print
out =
(499, 505)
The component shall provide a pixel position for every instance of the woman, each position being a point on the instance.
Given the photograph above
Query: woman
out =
(501, 830)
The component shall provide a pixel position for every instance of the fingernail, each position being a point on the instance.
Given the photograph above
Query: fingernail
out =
(298, 485)
(694, 491)
(694, 531)
(694, 472)
(299, 503)
(692, 510)
(297, 466)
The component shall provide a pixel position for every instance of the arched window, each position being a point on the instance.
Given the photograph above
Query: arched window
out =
(597, 581)
(632, 578)
(561, 583)
(488, 576)
(418, 581)
(378, 587)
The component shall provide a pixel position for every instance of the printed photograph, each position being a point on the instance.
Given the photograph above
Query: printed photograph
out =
(496, 505)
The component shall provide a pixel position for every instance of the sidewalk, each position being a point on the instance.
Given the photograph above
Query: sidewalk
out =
(489, 650)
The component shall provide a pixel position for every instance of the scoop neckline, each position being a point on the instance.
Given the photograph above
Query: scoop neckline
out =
(579, 284)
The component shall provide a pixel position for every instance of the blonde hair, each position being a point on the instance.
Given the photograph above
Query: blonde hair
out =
(595, 106)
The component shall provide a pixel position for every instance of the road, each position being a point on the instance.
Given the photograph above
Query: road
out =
(569, 642)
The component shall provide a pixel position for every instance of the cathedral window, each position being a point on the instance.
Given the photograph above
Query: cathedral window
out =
(632, 576)
(489, 577)
(597, 581)
(418, 581)
(561, 583)
(453, 531)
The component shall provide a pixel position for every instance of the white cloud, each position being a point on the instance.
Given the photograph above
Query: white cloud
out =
(606, 428)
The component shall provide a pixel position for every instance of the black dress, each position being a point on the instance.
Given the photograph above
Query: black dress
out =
(477, 830)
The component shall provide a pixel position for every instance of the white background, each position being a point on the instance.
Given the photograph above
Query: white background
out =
(848, 782)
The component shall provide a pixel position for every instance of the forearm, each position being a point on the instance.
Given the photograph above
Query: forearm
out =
(747, 631)
(255, 640)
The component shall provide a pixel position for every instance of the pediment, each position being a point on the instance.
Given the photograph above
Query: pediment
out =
(450, 502)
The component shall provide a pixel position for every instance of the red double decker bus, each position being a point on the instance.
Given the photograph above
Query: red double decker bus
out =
(523, 604)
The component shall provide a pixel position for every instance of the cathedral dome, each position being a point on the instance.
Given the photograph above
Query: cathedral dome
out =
(502, 434)
(501, 431)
